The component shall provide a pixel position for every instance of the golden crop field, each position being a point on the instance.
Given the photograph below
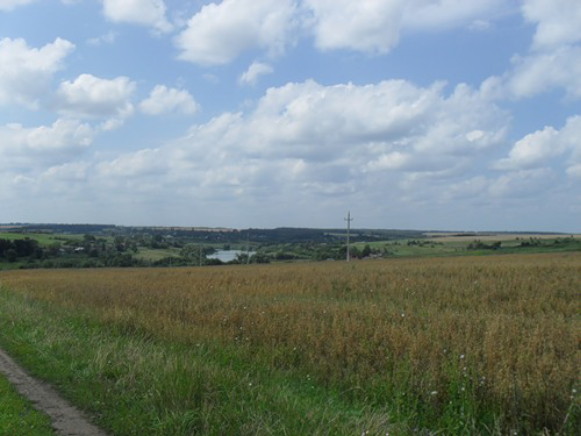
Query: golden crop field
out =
(501, 333)
(493, 237)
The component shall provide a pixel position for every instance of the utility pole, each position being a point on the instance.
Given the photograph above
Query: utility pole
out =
(348, 219)
(248, 248)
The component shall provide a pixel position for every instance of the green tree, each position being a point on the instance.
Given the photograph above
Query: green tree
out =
(366, 252)
(11, 255)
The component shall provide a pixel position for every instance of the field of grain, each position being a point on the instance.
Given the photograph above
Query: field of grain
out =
(486, 345)
(493, 237)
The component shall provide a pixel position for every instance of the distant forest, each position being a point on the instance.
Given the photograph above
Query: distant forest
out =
(277, 235)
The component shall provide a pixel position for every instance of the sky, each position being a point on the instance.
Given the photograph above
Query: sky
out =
(411, 114)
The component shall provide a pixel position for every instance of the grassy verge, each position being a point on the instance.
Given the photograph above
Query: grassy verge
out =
(17, 416)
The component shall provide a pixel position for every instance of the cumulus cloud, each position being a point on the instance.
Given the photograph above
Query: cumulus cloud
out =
(92, 97)
(28, 147)
(558, 21)
(397, 142)
(143, 12)
(375, 26)
(543, 71)
(67, 172)
(163, 100)
(8, 5)
(441, 14)
(327, 140)
(303, 142)
(26, 72)
(254, 71)
(142, 163)
(554, 58)
(43, 160)
(532, 150)
(521, 184)
(371, 26)
(539, 149)
(219, 33)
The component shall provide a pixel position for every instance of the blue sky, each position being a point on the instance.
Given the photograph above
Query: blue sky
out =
(425, 114)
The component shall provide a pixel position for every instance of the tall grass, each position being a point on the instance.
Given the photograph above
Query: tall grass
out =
(487, 345)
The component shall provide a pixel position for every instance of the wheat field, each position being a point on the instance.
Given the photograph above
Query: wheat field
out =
(493, 339)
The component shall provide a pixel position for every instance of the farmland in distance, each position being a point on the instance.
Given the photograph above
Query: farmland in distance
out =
(462, 345)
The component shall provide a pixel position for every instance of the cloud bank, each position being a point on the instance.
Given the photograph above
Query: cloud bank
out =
(278, 131)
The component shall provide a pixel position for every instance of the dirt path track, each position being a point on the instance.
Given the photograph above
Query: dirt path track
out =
(66, 419)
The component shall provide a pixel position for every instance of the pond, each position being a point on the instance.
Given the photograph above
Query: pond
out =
(228, 255)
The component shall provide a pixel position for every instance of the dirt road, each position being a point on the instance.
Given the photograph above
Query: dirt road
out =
(66, 420)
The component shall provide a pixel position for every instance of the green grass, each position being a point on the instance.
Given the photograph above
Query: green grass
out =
(152, 255)
(137, 385)
(42, 238)
(18, 417)
(443, 248)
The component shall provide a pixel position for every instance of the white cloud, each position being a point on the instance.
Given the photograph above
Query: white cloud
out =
(304, 143)
(254, 71)
(219, 33)
(143, 12)
(315, 117)
(25, 72)
(574, 171)
(569, 140)
(445, 14)
(163, 99)
(92, 97)
(325, 140)
(142, 163)
(8, 5)
(480, 25)
(77, 172)
(554, 58)
(467, 189)
(375, 26)
(107, 38)
(522, 183)
(371, 26)
(540, 72)
(532, 150)
(540, 148)
(28, 147)
(558, 21)
(389, 161)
